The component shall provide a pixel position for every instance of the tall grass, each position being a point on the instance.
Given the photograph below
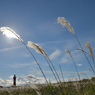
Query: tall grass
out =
(39, 49)
(6, 31)
(61, 73)
(77, 87)
(64, 22)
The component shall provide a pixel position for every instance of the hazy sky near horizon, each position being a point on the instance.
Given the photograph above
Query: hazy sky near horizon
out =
(36, 20)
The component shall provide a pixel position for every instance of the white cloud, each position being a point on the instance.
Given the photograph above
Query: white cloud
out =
(22, 80)
(19, 65)
(26, 55)
(66, 58)
(12, 48)
(55, 54)
(77, 55)
(79, 64)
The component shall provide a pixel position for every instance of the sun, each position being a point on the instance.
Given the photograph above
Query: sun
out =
(9, 34)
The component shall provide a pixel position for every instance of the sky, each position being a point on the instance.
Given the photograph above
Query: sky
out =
(36, 21)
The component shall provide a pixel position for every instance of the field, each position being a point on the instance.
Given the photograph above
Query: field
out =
(83, 87)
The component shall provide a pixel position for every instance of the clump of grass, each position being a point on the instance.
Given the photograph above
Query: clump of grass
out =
(64, 22)
(39, 49)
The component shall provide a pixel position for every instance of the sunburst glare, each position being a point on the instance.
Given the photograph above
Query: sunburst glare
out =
(10, 33)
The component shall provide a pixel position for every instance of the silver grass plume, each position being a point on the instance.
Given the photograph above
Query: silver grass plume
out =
(9, 32)
(81, 50)
(38, 48)
(90, 50)
(68, 52)
(63, 22)
(88, 69)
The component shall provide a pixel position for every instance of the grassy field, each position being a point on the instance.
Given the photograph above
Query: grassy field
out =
(83, 87)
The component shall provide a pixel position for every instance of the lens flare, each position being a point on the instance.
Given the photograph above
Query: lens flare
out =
(10, 33)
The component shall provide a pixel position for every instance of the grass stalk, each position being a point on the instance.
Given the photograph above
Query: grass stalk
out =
(85, 55)
(60, 85)
(61, 73)
(73, 62)
(18, 37)
(54, 69)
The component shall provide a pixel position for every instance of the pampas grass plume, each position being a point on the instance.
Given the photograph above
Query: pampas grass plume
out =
(88, 69)
(63, 22)
(81, 50)
(90, 50)
(38, 48)
(68, 52)
(10, 33)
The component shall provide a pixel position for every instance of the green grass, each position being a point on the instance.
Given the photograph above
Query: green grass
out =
(83, 87)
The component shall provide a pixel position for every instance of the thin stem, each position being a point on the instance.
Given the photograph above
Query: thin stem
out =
(31, 54)
(85, 55)
(51, 70)
(60, 84)
(54, 69)
(36, 62)
(76, 68)
(61, 72)
(38, 65)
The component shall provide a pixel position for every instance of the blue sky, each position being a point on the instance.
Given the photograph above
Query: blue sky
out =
(36, 20)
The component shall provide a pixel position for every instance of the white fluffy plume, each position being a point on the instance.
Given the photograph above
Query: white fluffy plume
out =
(90, 50)
(63, 22)
(10, 33)
(37, 47)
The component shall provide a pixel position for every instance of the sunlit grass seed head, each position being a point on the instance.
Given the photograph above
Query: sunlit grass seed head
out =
(68, 52)
(10, 33)
(90, 50)
(37, 47)
(63, 22)
(81, 50)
